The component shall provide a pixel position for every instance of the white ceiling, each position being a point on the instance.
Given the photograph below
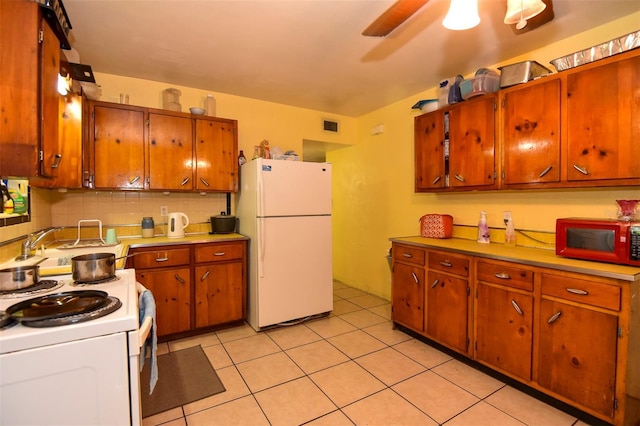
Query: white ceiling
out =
(307, 53)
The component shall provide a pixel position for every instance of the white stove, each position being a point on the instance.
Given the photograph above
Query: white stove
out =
(84, 373)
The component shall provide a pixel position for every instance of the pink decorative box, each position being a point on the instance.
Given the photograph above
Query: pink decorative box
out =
(436, 226)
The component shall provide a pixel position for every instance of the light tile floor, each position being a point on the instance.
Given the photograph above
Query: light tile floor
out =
(350, 368)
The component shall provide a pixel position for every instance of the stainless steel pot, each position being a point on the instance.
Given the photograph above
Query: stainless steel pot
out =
(93, 267)
(18, 277)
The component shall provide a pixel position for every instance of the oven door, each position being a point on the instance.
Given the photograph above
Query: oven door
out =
(75, 383)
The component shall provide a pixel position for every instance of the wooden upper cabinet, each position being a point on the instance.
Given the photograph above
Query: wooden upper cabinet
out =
(170, 152)
(64, 160)
(117, 139)
(30, 63)
(531, 133)
(216, 155)
(429, 151)
(603, 122)
(472, 143)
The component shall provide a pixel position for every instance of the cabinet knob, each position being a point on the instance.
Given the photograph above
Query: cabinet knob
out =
(435, 283)
(446, 263)
(179, 279)
(554, 317)
(56, 161)
(503, 275)
(407, 255)
(185, 181)
(459, 178)
(205, 275)
(578, 291)
(415, 278)
(204, 182)
(134, 180)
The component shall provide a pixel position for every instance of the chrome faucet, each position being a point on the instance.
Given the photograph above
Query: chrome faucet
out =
(30, 243)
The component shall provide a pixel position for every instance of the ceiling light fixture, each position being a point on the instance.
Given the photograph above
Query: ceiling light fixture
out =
(462, 15)
(519, 11)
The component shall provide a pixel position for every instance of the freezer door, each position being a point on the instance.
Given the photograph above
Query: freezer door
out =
(293, 188)
(294, 272)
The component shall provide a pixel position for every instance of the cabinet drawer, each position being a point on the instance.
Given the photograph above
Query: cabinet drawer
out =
(408, 254)
(449, 263)
(507, 274)
(582, 291)
(160, 258)
(219, 252)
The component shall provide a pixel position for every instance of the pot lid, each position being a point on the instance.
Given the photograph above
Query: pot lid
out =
(58, 305)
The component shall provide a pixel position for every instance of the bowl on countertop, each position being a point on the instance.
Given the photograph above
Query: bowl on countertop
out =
(197, 111)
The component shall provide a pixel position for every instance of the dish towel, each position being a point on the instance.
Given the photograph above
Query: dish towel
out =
(148, 309)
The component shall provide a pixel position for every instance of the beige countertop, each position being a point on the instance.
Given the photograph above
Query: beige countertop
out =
(138, 242)
(524, 255)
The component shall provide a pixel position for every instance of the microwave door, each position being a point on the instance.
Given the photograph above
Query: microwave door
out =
(600, 240)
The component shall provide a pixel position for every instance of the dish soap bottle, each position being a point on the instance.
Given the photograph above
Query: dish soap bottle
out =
(483, 228)
(510, 232)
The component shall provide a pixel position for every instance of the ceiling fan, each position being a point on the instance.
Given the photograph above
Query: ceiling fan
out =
(402, 10)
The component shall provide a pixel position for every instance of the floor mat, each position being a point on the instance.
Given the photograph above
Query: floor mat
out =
(183, 376)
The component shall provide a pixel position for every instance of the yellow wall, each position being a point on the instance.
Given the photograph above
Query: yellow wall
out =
(374, 181)
(282, 125)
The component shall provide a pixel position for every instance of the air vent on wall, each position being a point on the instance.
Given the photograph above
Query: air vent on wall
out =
(329, 125)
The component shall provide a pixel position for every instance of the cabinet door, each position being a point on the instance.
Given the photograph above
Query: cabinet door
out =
(577, 354)
(64, 162)
(171, 291)
(429, 151)
(532, 134)
(117, 136)
(219, 293)
(472, 146)
(446, 312)
(407, 295)
(216, 155)
(504, 322)
(28, 91)
(170, 152)
(603, 122)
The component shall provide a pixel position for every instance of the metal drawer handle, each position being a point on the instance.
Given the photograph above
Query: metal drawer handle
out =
(204, 182)
(554, 317)
(134, 180)
(219, 253)
(516, 307)
(177, 277)
(459, 178)
(578, 291)
(435, 283)
(56, 161)
(161, 259)
(436, 180)
(545, 171)
(503, 276)
(446, 263)
(415, 277)
(205, 275)
(185, 181)
(407, 255)
(581, 169)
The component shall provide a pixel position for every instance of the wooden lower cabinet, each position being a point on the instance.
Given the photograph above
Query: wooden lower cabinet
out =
(577, 354)
(172, 292)
(504, 325)
(220, 287)
(573, 336)
(194, 285)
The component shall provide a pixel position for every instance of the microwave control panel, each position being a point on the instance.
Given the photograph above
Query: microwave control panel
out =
(634, 247)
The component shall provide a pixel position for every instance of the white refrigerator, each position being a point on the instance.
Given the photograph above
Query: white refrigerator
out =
(284, 207)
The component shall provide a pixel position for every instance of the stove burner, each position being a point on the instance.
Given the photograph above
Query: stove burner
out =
(104, 281)
(40, 287)
(112, 305)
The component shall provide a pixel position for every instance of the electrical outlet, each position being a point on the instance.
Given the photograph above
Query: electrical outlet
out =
(164, 211)
(506, 216)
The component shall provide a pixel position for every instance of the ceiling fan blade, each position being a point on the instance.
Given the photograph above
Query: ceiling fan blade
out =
(545, 16)
(399, 12)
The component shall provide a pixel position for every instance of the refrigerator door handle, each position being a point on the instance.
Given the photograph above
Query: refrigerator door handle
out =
(261, 239)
